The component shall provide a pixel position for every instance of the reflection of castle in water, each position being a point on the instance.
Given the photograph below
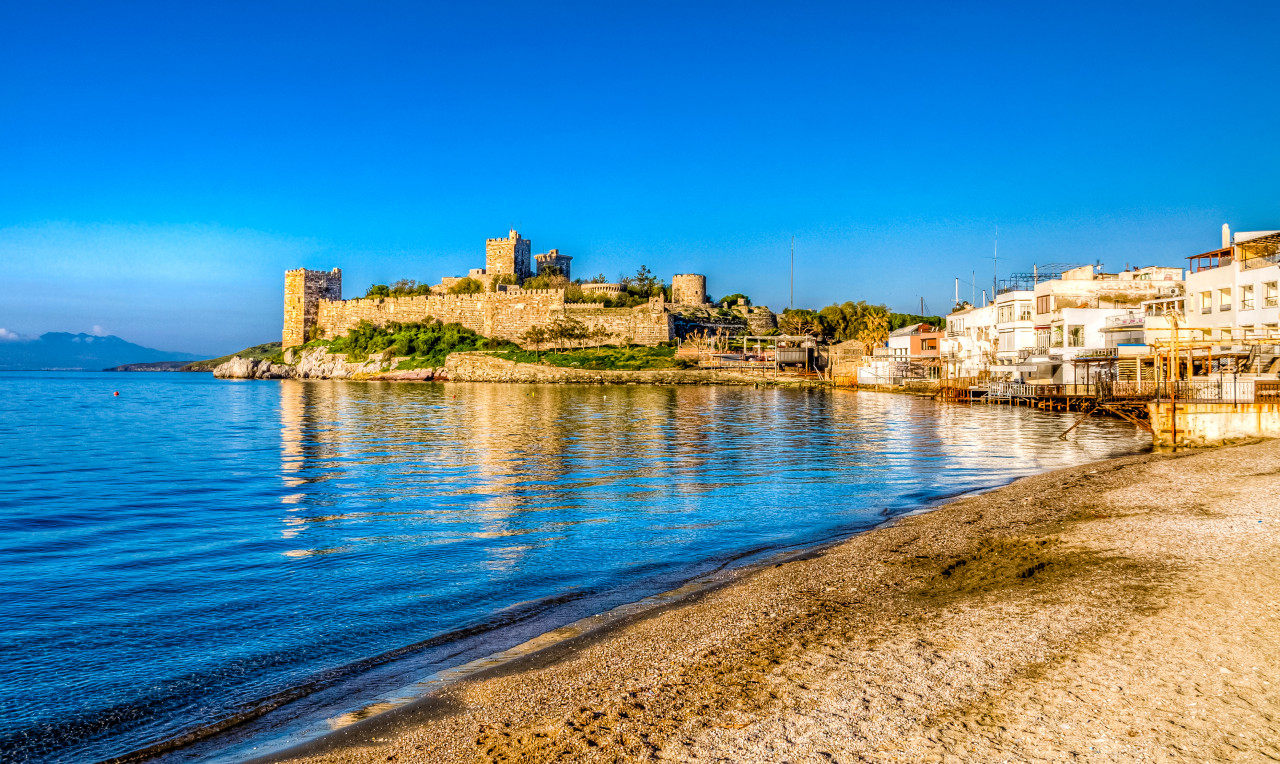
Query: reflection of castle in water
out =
(511, 467)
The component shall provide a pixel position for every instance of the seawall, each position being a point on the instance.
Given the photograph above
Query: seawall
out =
(483, 367)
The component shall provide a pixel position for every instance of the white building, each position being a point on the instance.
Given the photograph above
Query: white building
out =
(969, 344)
(1086, 315)
(1234, 292)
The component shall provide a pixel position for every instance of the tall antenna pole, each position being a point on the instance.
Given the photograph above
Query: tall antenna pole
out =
(995, 264)
(957, 290)
(793, 271)
(973, 288)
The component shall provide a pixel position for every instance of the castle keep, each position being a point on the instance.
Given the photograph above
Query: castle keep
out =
(314, 308)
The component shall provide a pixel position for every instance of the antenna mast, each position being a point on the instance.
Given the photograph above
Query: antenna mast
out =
(793, 271)
(995, 265)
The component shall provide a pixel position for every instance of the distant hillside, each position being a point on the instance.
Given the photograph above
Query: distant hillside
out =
(79, 352)
(154, 366)
(257, 353)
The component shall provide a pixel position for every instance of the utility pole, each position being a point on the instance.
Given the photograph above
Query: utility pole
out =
(793, 271)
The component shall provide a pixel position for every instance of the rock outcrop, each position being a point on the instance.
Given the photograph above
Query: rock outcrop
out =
(315, 363)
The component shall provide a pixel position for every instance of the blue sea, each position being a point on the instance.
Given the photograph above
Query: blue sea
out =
(271, 556)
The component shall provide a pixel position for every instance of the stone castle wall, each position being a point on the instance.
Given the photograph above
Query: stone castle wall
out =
(645, 325)
(303, 291)
(495, 314)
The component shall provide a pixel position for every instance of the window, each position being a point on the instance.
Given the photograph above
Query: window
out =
(1224, 299)
(1024, 311)
(1269, 294)
(1044, 304)
(1206, 302)
(1246, 297)
(1075, 336)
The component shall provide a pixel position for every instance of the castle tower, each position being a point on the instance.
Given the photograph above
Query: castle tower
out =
(553, 258)
(509, 255)
(689, 289)
(303, 291)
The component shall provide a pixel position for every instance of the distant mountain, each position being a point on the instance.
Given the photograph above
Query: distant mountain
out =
(85, 352)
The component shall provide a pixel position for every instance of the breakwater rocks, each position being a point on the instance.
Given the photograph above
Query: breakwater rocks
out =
(315, 363)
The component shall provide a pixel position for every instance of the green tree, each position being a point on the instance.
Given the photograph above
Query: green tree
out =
(534, 337)
(403, 287)
(508, 279)
(466, 285)
(798, 321)
(733, 299)
(546, 282)
(378, 290)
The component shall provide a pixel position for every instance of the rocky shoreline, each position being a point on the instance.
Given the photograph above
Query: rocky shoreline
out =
(1117, 611)
(316, 363)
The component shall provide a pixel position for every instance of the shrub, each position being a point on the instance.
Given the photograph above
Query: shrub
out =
(466, 285)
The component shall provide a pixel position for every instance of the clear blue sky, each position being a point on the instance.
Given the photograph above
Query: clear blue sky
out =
(162, 164)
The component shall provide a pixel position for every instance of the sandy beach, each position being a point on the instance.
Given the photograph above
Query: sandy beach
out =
(1126, 610)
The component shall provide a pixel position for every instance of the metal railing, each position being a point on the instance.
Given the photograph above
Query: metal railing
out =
(1130, 319)
(1186, 391)
(1259, 262)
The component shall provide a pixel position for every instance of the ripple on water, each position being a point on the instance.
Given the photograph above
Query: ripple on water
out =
(192, 547)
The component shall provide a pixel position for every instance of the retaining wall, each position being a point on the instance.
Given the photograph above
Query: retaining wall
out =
(1207, 424)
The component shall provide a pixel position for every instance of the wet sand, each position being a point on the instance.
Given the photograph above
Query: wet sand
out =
(1126, 610)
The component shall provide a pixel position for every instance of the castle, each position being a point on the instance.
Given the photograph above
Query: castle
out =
(314, 308)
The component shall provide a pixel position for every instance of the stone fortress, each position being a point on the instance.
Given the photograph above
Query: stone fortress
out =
(314, 308)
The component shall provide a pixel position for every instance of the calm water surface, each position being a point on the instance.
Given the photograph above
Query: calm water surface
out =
(171, 557)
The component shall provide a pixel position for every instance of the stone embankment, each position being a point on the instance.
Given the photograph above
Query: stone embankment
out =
(314, 363)
(483, 367)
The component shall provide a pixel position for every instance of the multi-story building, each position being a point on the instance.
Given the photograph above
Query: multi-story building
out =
(993, 339)
(1087, 315)
(1234, 292)
(1042, 332)
(911, 353)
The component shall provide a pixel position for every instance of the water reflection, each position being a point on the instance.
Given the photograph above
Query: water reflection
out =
(198, 545)
(560, 478)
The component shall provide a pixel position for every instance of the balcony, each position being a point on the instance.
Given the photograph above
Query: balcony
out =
(1127, 321)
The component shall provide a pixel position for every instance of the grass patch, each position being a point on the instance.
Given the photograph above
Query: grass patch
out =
(607, 358)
